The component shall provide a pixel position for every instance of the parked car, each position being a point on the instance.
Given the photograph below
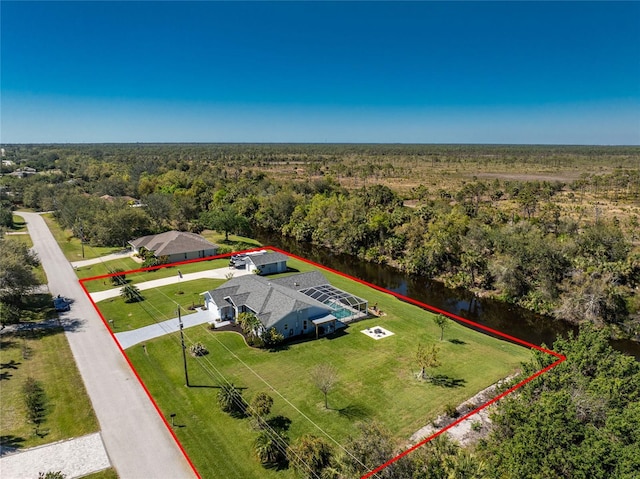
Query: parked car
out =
(61, 304)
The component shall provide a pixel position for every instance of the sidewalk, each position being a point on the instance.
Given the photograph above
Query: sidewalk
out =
(73, 457)
(219, 273)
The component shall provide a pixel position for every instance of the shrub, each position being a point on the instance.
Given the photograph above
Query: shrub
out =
(119, 279)
(450, 410)
(198, 349)
(35, 401)
(476, 426)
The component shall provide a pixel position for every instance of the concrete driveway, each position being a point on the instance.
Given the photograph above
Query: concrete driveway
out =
(136, 439)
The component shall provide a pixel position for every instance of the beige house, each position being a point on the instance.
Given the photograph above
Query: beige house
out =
(176, 245)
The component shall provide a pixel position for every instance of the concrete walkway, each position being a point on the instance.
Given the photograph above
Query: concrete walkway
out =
(73, 457)
(101, 259)
(140, 335)
(136, 438)
(220, 273)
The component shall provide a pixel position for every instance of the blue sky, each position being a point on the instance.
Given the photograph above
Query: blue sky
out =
(407, 72)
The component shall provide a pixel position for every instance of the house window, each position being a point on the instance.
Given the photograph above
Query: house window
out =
(305, 325)
(286, 326)
(291, 332)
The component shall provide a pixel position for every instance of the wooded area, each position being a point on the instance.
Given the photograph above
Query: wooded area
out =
(554, 229)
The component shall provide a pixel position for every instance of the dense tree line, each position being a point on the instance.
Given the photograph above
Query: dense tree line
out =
(503, 237)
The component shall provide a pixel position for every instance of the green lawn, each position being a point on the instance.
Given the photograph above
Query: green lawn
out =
(45, 356)
(141, 276)
(19, 224)
(376, 380)
(109, 473)
(159, 304)
(71, 246)
(235, 243)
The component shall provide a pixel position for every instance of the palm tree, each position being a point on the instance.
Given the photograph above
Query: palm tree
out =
(131, 294)
(310, 455)
(250, 324)
(230, 400)
(271, 446)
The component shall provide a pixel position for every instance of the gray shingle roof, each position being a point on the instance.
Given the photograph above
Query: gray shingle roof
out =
(267, 258)
(173, 242)
(270, 301)
(302, 280)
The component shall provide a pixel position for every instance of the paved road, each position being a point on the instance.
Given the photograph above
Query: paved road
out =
(136, 439)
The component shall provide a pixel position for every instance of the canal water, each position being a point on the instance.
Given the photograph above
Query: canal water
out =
(504, 317)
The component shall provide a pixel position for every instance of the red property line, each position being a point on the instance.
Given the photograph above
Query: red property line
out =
(560, 357)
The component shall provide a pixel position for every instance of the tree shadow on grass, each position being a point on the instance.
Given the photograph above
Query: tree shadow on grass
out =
(7, 343)
(447, 381)
(10, 365)
(9, 443)
(355, 412)
(279, 423)
(456, 341)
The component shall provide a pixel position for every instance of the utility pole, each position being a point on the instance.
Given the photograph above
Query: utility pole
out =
(184, 349)
(82, 238)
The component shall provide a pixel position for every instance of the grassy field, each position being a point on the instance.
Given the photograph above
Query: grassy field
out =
(71, 246)
(159, 304)
(142, 276)
(45, 356)
(376, 380)
(19, 224)
(235, 243)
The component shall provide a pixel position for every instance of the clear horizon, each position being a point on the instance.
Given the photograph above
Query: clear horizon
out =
(521, 73)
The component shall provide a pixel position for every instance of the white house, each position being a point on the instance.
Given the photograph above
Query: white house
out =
(263, 262)
(294, 305)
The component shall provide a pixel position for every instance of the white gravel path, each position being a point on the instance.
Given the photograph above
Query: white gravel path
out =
(73, 457)
(463, 433)
(219, 273)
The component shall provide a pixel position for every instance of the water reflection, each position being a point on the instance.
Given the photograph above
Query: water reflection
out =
(509, 319)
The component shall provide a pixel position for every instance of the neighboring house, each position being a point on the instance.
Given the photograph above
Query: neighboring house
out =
(176, 245)
(262, 262)
(294, 305)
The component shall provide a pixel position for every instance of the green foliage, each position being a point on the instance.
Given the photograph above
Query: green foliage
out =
(310, 455)
(272, 339)
(52, 475)
(6, 217)
(573, 421)
(271, 448)
(131, 294)
(231, 401)
(442, 322)
(35, 401)
(427, 357)
(198, 349)
(119, 279)
(9, 313)
(17, 277)
(225, 218)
